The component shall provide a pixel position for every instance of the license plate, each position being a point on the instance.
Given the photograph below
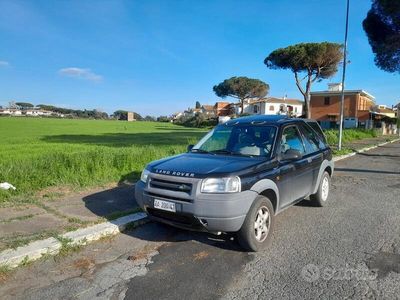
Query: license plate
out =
(164, 205)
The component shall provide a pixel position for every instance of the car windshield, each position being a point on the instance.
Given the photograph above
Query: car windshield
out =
(246, 140)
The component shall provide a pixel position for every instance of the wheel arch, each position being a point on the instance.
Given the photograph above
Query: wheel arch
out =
(269, 189)
(328, 166)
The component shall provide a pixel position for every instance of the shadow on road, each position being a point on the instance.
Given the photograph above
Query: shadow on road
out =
(378, 155)
(366, 171)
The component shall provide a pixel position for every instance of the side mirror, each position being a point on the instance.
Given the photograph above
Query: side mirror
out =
(291, 154)
(189, 148)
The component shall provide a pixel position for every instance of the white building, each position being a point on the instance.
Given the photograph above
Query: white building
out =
(11, 112)
(39, 112)
(272, 106)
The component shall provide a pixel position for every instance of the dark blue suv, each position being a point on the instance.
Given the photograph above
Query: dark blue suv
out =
(239, 176)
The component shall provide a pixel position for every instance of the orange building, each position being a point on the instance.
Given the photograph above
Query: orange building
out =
(222, 109)
(325, 105)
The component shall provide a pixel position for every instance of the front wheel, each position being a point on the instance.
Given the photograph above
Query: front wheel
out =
(321, 196)
(256, 230)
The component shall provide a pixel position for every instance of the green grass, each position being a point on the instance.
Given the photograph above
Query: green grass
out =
(349, 135)
(49, 154)
(36, 154)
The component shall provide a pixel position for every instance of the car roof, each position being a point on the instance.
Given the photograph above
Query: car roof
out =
(263, 119)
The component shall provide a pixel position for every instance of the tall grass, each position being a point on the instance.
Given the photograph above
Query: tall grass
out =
(349, 135)
(36, 154)
(39, 153)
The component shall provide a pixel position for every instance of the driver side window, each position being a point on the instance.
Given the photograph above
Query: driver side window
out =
(291, 139)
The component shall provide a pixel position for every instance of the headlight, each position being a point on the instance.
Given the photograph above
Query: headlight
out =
(221, 185)
(145, 174)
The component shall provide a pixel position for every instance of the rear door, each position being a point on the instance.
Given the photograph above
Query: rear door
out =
(314, 151)
(296, 176)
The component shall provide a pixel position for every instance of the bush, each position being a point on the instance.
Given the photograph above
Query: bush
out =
(198, 121)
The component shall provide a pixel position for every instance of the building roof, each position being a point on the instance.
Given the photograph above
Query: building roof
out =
(282, 100)
(208, 107)
(262, 119)
(275, 100)
(346, 92)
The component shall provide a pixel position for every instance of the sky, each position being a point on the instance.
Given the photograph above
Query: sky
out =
(156, 57)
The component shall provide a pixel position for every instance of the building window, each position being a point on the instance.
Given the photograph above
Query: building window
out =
(255, 109)
(327, 100)
(271, 108)
(295, 109)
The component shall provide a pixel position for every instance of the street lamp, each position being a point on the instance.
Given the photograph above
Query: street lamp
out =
(343, 77)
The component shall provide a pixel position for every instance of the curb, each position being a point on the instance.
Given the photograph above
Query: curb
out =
(12, 258)
(337, 158)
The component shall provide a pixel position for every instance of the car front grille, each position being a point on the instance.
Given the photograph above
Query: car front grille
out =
(170, 185)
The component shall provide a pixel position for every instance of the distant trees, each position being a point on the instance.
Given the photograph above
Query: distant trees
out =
(163, 119)
(382, 26)
(198, 105)
(316, 60)
(24, 105)
(149, 119)
(75, 113)
(241, 88)
(120, 115)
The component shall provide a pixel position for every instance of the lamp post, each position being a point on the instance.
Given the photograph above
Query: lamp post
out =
(343, 77)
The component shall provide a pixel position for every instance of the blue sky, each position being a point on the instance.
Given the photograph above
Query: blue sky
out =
(158, 57)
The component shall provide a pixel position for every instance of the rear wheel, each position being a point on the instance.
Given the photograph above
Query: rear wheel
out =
(321, 196)
(256, 230)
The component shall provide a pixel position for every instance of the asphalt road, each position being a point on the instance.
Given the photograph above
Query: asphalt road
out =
(349, 249)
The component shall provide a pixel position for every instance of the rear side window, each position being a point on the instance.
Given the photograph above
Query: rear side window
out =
(314, 140)
(291, 139)
(318, 130)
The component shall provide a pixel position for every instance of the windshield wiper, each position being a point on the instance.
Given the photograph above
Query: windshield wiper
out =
(229, 152)
(200, 151)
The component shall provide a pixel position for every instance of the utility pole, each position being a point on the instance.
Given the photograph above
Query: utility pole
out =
(343, 77)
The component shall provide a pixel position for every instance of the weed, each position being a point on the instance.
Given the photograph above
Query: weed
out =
(4, 272)
(67, 246)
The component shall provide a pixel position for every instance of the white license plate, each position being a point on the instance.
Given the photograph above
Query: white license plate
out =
(164, 205)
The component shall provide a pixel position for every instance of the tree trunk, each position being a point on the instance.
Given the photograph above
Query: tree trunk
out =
(241, 106)
(307, 111)
(307, 96)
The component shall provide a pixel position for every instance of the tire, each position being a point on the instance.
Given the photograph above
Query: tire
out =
(321, 196)
(250, 238)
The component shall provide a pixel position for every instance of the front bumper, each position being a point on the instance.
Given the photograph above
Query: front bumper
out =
(203, 212)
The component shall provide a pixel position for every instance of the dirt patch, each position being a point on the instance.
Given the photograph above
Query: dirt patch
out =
(200, 255)
(84, 264)
(144, 253)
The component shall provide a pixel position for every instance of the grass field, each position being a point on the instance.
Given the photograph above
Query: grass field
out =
(41, 154)
(36, 154)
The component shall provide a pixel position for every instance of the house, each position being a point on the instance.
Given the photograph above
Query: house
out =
(207, 110)
(11, 112)
(223, 109)
(130, 116)
(271, 106)
(325, 106)
(384, 111)
(39, 112)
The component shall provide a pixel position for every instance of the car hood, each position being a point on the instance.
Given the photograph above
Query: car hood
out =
(202, 165)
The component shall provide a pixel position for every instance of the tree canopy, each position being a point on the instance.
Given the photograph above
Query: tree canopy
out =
(382, 26)
(317, 60)
(24, 105)
(241, 88)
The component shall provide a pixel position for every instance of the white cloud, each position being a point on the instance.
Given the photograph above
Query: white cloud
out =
(80, 73)
(4, 63)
